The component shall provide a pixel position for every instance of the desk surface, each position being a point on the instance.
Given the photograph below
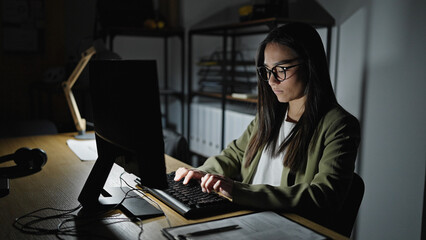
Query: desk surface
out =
(59, 184)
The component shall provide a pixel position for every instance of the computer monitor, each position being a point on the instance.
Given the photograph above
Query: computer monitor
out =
(127, 121)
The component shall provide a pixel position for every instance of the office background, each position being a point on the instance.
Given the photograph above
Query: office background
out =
(378, 54)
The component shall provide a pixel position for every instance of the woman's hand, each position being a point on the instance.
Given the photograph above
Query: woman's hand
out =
(217, 183)
(209, 182)
(188, 174)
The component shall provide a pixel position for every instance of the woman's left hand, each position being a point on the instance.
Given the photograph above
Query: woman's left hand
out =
(217, 183)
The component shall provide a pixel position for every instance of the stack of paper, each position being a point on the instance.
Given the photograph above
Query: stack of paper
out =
(84, 149)
(262, 225)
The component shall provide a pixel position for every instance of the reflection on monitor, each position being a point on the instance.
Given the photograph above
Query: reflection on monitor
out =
(127, 118)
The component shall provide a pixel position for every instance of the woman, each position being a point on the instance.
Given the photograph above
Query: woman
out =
(298, 154)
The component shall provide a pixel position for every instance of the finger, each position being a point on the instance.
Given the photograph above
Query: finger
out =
(188, 177)
(180, 173)
(217, 186)
(210, 183)
(204, 181)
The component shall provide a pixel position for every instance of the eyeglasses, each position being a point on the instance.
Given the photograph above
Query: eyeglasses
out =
(280, 73)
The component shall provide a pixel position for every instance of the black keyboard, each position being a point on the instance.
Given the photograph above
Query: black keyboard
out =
(189, 201)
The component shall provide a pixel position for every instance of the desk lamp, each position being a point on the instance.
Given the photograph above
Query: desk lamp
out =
(79, 122)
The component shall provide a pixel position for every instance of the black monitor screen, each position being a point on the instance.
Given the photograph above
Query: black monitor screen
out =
(127, 118)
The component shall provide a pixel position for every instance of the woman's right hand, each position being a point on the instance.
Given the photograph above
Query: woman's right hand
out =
(188, 174)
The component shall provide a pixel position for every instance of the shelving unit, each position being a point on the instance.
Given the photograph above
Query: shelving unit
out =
(111, 32)
(211, 73)
(229, 32)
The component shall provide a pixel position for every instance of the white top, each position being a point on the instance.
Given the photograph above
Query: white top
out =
(269, 169)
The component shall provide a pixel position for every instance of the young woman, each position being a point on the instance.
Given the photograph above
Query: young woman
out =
(299, 152)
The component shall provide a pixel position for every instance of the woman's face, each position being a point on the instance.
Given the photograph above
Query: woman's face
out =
(293, 87)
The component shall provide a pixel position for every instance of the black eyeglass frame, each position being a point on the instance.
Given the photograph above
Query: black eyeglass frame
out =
(269, 71)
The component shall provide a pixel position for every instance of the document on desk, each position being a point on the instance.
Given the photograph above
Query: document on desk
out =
(262, 225)
(84, 149)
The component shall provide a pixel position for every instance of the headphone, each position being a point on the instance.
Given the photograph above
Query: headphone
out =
(28, 161)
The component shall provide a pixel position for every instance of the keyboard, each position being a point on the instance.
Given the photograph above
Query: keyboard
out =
(189, 201)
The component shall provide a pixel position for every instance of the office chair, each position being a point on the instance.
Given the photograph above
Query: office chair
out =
(175, 145)
(349, 211)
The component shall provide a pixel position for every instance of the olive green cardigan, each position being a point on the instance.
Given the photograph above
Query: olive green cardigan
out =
(319, 191)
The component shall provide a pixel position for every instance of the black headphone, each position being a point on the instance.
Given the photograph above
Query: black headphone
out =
(27, 161)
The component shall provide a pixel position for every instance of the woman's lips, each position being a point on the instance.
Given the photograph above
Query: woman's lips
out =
(277, 91)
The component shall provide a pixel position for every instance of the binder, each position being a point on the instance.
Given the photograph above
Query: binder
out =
(203, 127)
(206, 126)
(209, 121)
(217, 130)
(194, 136)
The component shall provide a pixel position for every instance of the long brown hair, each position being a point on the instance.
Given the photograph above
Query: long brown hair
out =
(307, 44)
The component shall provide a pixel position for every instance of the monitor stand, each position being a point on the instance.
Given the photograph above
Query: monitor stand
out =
(133, 206)
(95, 198)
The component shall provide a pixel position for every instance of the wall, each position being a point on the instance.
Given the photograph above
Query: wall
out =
(395, 135)
(380, 78)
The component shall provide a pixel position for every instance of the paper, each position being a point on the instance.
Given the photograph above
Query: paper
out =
(259, 226)
(84, 149)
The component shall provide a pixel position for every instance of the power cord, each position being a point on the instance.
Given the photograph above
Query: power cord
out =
(39, 222)
(58, 223)
(32, 225)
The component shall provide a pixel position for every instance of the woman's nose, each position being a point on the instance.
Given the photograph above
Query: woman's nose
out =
(272, 80)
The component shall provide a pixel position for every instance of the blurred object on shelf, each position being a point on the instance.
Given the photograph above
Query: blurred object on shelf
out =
(245, 12)
(270, 8)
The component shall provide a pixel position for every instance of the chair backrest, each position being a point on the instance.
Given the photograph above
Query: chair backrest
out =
(349, 211)
(175, 145)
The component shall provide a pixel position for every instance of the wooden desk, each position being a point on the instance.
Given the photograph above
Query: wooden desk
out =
(60, 182)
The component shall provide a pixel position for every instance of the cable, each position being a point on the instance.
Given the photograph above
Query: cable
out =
(58, 223)
(83, 223)
(146, 196)
(31, 227)
(38, 224)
